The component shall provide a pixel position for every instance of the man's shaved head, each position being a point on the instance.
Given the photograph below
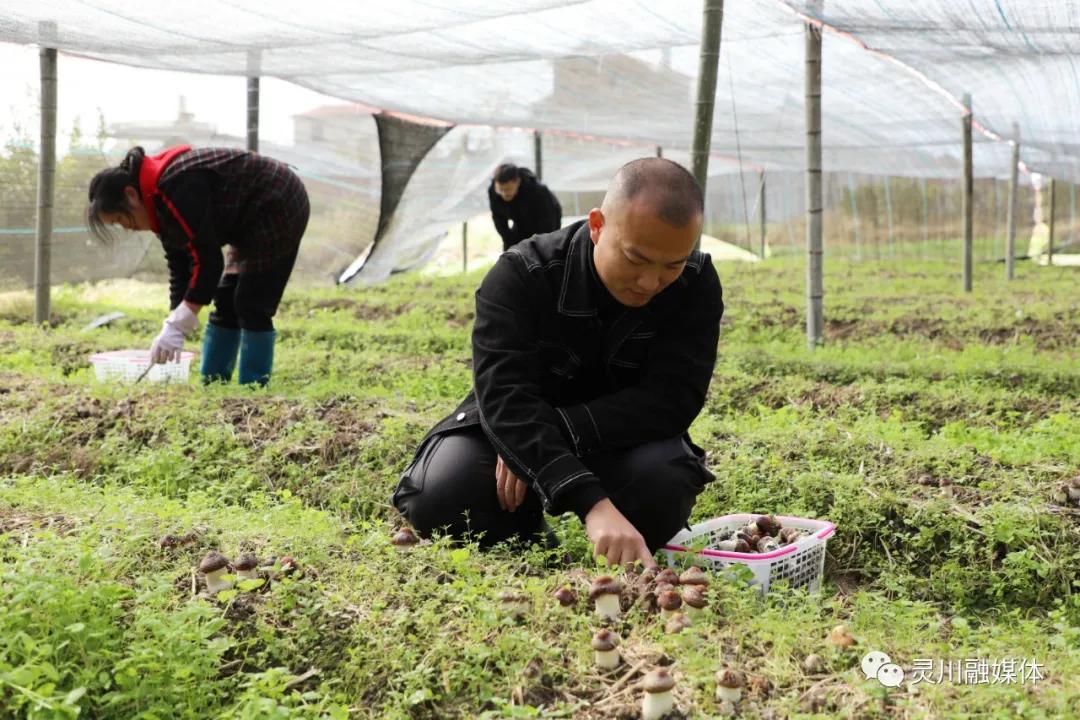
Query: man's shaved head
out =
(666, 187)
(645, 231)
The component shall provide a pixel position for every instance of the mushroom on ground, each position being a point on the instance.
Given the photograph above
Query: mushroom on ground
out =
(1061, 494)
(694, 575)
(605, 594)
(676, 623)
(1074, 489)
(404, 538)
(566, 596)
(840, 636)
(694, 598)
(658, 700)
(605, 645)
(245, 566)
(813, 664)
(667, 575)
(514, 604)
(669, 601)
(288, 565)
(215, 566)
(729, 685)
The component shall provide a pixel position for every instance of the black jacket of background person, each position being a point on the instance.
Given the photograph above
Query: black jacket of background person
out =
(534, 210)
(561, 369)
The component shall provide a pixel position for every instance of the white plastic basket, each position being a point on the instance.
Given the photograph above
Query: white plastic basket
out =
(128, 365)
(802, 563)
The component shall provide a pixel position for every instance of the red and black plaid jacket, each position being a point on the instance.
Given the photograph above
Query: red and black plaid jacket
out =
(200, 200)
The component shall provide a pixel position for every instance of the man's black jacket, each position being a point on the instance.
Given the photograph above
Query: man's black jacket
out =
(560, 369)
(534, 210)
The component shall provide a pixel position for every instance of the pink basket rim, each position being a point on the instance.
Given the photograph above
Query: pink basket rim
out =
(821, 534)
(136, 357)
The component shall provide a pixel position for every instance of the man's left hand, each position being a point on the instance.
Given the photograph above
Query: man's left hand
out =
(509, 487)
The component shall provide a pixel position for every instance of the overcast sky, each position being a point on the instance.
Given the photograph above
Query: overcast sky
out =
(126, 94)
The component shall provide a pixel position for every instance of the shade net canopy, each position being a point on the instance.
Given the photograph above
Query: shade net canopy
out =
(609, 80)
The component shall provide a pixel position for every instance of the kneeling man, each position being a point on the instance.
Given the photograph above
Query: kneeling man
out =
(593, 348)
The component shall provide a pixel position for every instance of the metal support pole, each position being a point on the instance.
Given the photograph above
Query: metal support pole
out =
(254, 67)
(709, 58)
(761, 212)
(659, 151)
(538, 154)
(855, 217)
(888, 216)
(1050, 244)
(815, 289)
(1010, 229)
(465, 247)
(925, 218)
(253, 114)
(46, 178)
(968, 195)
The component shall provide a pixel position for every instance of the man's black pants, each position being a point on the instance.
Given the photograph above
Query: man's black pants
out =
(450, 486)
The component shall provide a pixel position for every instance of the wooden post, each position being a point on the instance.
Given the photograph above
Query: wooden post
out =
(1050, 244)
(46, 179)
(254, 62)
(888, 216)
(1010, 229)
(465, 247)
(815, 288)
(968, 195)
(708, 59)
(761, 212)
(538, 154)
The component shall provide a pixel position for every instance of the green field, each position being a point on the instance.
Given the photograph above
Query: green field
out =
(980, 392)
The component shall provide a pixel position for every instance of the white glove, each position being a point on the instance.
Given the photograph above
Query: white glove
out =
(180, 323)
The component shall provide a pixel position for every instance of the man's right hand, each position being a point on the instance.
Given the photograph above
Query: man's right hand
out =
(614, 537)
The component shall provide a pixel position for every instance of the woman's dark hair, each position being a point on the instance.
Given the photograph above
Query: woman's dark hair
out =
(506, 172)
(107, 193)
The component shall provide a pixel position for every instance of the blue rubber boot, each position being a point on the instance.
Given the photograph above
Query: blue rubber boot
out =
(256, 356)
(219, 348)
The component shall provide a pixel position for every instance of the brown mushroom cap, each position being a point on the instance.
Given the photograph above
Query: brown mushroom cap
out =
(669, 600)
(604, 641)
(246, 561)
(213, 561)
(566, 596)
(693, 576)
(788, 535)
(694, 596)
(604, 585)
(841, 636)
(404, 537)
(729, 678)
(667, 575)
(663, 587)
(768, 524)
(741, 546)
(657, 681)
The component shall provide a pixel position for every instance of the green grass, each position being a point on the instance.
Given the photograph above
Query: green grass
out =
(99, 621)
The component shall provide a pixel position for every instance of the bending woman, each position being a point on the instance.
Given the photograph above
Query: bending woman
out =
(196, 202)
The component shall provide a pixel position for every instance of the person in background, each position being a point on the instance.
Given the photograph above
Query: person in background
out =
(197, 201)
(521, 205)
(593, 349)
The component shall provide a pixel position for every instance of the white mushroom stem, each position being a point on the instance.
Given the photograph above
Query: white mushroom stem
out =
(607, 659)
(607, 606)
(216, 582)
(656, 705)
(1074, 492)
(247, 574)
(732, 695)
